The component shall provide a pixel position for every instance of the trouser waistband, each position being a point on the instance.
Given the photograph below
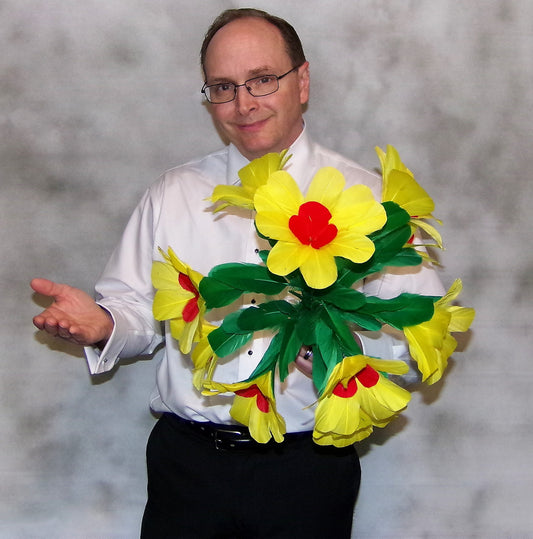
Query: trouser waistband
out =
(232, 437)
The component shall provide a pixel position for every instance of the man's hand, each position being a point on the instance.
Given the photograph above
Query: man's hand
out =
(304, 361)
(73, 316)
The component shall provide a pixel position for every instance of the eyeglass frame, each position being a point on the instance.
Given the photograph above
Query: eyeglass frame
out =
(235, 86)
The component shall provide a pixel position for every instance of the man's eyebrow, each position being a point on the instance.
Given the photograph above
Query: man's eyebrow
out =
(256, 72)
(263, 70)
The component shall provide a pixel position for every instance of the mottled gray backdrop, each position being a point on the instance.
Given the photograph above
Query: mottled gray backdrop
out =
(99, 97)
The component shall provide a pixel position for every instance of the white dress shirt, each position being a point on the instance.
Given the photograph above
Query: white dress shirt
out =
(174, 213)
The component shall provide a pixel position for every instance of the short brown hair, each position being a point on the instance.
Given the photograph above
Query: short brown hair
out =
(293, 44)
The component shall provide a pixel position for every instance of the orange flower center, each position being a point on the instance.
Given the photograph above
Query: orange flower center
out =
(191, 309)
(254, 391)
(368, 377)
(311, 226)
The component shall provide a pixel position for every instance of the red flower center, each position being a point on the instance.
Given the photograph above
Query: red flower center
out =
(346, 392)
(191, 309)
(311, 226)
(368, 377)
(254, 391)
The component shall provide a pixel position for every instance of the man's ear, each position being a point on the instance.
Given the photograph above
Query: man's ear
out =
(303, 79)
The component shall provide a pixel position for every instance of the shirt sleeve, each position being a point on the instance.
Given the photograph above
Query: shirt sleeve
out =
(125, 291)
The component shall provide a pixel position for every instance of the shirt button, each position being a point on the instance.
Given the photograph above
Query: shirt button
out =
(250, 352)
(256, 250)
(253, 301)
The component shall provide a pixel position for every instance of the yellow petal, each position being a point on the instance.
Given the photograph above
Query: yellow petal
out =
(280, 194)
(274, 224)
(164, 275)
(335, 414)
(170, 303)
(319, 269)
(258, 171)
(203, 358)
(462, 318)
(232, 195)
(284, 257)
(351, 245)
(326, 186)
(452, 293)
(358, 209)
(338, 440)
(430, 230)
(363, 429)
(403, 189)
(383, 401)
(391, 160)
(175, 261)
(390, 366)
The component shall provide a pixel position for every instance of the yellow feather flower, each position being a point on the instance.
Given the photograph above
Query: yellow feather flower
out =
(204, 359)
(312, 230)
(431, 343)
(254, 405)
(358, 397)
(252, 176)
(177, 299)
(400, 186)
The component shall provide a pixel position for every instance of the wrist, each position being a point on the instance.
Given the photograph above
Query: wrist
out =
(107, 328)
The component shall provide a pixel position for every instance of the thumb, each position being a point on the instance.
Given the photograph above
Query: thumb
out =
(46, 287)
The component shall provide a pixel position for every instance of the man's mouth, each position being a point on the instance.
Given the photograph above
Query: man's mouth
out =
(252, 126)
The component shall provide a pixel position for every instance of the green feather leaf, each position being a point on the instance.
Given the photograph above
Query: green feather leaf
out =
(224, 344)
(270, 358)
(325, 355)
(341, 331)
(389, 241)
(346, 299)
(217, 294)
(271, 314)
(289, 349)
(364, 321)
(227, 282)
(401, 311)
(305, 326)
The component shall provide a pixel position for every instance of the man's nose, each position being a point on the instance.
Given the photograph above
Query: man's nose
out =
(244, 100)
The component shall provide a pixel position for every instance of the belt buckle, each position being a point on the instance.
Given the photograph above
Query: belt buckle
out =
(222, 444)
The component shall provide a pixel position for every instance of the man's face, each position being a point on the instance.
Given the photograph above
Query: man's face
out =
(241, 50)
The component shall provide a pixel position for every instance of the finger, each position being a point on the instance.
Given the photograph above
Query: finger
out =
(50, 326)
(38, 321)
(304, 366)
(64, 331)
(46, 287)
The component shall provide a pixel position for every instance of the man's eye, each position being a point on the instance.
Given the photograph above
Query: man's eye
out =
(223, 87)
(264, 80)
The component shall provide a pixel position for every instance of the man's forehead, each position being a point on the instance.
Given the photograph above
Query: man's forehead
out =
(250, 42)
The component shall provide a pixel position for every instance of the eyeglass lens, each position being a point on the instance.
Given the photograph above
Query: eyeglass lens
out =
(258, 87)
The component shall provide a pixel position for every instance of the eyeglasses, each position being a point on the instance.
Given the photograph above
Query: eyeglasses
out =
(224, 92)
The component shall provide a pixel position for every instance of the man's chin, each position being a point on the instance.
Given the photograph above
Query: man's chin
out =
(254, 151)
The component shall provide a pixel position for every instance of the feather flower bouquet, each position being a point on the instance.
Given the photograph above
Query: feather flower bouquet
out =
(322, 244)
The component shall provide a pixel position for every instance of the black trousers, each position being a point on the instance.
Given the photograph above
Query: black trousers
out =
(289, 490)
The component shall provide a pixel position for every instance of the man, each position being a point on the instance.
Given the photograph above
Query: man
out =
(206, 478)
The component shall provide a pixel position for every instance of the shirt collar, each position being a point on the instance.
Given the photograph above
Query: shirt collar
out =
(300, 163)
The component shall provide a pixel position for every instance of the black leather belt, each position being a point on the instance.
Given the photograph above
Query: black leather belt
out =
(232, 437)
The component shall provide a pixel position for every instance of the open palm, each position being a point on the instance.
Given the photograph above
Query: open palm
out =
(73, 315)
